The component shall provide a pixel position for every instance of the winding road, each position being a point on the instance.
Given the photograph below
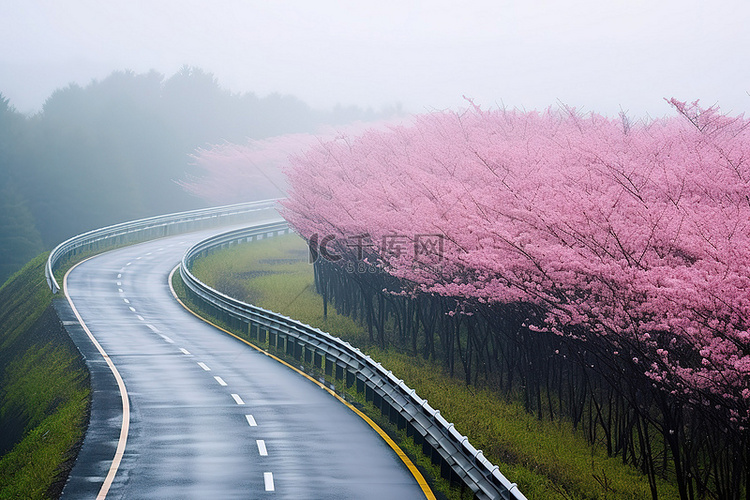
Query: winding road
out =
(209, 416)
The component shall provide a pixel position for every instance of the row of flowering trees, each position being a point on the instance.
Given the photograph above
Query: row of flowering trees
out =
(599, 267)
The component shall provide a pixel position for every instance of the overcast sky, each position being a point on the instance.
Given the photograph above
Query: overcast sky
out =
(596, 55)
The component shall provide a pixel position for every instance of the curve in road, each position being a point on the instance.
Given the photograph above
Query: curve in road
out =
(210, 417)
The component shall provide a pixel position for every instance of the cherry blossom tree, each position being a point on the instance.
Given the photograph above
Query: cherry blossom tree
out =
(234, 173)
(632, 240)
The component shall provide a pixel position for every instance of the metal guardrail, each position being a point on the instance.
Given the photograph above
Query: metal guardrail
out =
(458, 459)
(150, 228)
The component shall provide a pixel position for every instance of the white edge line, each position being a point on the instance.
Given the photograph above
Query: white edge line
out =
(125, 427)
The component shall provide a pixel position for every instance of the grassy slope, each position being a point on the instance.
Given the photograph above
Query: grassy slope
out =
(44, 391)
(546, 459)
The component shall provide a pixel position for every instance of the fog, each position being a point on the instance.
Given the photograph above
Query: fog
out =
(103, 105)
(605, 234)
(597, 56)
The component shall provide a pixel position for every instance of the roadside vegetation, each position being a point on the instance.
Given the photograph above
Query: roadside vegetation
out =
(44, 389)
(547, 459)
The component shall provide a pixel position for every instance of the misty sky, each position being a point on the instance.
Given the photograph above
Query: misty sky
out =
(596, 55)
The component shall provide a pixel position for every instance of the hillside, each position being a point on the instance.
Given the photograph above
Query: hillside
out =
(44, 389)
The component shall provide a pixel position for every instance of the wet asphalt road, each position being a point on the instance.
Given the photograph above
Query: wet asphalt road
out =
(211, 417)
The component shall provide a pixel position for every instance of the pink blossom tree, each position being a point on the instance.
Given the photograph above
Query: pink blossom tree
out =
(234, 173)
(631, 238)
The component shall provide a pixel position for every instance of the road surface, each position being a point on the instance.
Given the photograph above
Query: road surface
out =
(210, 416)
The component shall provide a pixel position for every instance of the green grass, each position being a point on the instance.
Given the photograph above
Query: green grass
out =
(44, 389)
(548, 460)
(23, 299)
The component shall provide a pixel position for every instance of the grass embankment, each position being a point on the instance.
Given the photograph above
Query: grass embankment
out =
(44, 389)
(548, 460)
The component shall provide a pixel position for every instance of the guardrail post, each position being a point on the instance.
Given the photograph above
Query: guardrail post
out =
(329, 365)
(271, 338)
(377, 401)
(290, 346)
(446, 471)
(401, 421)
(317, 360)
(410, 431)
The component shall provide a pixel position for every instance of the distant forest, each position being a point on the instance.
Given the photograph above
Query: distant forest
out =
(111, 151)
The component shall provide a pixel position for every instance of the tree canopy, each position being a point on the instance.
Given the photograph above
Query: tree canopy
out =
(114, 150)
(574, 251)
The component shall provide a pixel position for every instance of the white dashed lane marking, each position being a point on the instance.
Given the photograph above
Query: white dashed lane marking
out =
(262, 449)
(140, 318)
(268, 479)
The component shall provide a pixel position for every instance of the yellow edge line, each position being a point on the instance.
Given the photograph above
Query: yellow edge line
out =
(404, 458)
(125, 427)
